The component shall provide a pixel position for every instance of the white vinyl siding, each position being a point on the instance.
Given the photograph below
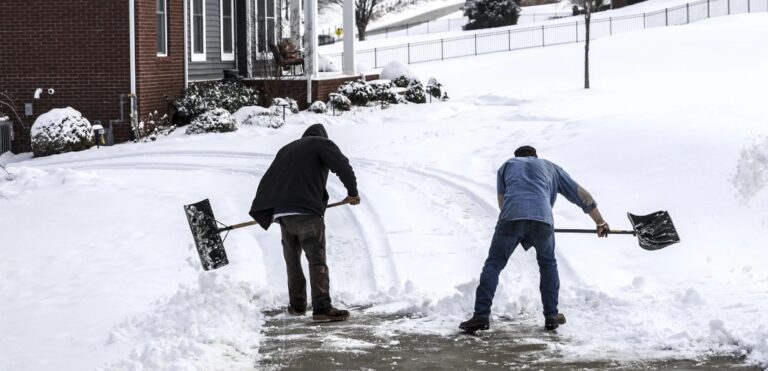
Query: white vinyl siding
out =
(197, 14)
(162, 28)
(227, 30)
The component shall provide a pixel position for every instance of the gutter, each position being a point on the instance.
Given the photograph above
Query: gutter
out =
(186, 45)
(132, 21)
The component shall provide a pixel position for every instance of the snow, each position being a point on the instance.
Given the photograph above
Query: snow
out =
(99, 270)
(394, 70)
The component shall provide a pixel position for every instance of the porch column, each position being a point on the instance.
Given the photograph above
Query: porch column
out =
(310, 44)
(348, 64)
(294, 8)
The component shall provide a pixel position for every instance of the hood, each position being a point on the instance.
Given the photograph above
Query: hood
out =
(316, 130)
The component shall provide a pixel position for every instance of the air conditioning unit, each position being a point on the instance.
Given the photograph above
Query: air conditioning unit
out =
(6, 134)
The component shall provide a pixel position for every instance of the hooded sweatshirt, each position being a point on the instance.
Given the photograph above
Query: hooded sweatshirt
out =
(297, 177)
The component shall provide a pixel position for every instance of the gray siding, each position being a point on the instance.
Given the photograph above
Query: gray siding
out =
(212, 68)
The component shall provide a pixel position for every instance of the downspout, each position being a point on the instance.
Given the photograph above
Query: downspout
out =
(132, 43)
(186, 46)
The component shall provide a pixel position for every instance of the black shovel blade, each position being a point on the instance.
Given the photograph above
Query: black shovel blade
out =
(654, 231)
(206, 235)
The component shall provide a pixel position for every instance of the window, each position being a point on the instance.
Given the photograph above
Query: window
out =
(266, 24)
(227, 30)
(162, 28)
(198, 30)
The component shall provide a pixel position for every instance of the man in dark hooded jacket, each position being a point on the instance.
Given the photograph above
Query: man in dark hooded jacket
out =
(292, 193)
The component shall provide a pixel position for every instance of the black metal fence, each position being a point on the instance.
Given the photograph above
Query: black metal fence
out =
(547, 35)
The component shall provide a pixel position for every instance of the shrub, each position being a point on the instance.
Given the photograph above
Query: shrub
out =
(491, 13)
(434, 88)
(402, 81)
(217, 120)
(359, 92)
(318, 107)
(339, 102)
(61, 130)
(155, 126)
(199, 98)
(289, 103)
(415, 93)
(257, 116)
(384, 93)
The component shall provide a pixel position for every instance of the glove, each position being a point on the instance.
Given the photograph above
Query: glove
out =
(603, 230)
(352, 200)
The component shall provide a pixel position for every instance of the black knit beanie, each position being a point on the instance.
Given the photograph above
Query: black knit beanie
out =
(526, 151)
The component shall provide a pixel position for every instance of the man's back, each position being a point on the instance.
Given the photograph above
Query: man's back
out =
(529, 187)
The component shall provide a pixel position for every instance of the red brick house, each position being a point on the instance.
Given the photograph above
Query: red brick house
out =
(95, 54)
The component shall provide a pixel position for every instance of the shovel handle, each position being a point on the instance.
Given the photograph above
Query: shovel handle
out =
(592, 231)
(248, 224)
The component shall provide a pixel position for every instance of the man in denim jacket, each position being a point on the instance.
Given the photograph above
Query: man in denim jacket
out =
(527, 189)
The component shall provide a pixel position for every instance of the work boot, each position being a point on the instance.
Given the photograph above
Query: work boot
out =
(331, 314)
(474, 324)
(296, 312)
(553, 322)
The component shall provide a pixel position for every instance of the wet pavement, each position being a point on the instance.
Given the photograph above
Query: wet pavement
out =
(363, 343)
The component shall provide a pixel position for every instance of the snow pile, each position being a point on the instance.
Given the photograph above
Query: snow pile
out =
(217, 120)
(327, 65)
(258, 116)
(394, 70)
(752, 170)
(318, 107)
(209, 325)
(61, 130)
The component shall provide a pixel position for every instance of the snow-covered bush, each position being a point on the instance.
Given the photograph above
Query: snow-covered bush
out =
(403, 81)
(198, 98)
(290, 106)
(327, 65)
(384, 93)
(318, 107)
(491, 13)
(217, 120)
(415, 93)
(434, 88)
(359, 92)
(155, 126)
(339, 102)
(258, 116)
(61, 130)
(395, 69)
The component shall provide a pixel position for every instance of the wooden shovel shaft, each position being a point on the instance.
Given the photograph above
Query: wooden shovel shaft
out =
(592, 231)
(248, 224)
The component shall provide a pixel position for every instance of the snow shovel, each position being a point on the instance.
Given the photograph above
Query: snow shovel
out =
(206, 233)
(654, 231)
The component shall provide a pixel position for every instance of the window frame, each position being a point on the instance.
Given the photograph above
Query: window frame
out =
(165, 29)
(224, 55)
(194, 56)
(264, 20)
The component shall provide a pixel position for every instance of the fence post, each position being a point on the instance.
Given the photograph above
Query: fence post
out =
(475, 44)
(749, 6)
(442, 54)
(576, 24)
(509, 39)
(428, 26)
(644, 19)
(542, 36)
(729, 7)
(687, 14)
(666, 16)
(375, 58)
(610, 26)
(409, 53)
(708, 16)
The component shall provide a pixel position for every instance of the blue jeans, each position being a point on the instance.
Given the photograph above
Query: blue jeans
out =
(510, 233)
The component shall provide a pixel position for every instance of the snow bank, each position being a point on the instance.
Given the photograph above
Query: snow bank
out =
(394, 70)
(212, 324)
(258, 116)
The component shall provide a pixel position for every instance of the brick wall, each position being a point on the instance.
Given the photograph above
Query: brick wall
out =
(159, 78)
(78, 47)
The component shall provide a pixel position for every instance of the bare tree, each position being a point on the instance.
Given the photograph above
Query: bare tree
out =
(364, 12)
(589, 6)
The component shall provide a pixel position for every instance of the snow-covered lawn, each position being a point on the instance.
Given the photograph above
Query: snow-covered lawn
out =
(98, 267)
